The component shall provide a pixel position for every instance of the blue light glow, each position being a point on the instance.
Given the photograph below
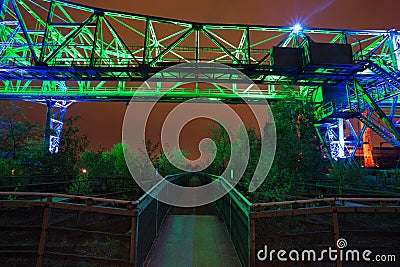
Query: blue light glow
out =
(297, 28)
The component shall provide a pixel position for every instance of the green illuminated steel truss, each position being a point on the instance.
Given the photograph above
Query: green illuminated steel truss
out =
(105, 55)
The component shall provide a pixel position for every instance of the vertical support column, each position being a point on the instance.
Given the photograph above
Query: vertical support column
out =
(341, 138)
(395, 46)
(48, 123)
(54, 122)
(197, 56)
(324, 145)
(146, 54)
(358, 142)
(248, 45)
(42, 242)
(367, 147)
(252, 242)
(99, 17)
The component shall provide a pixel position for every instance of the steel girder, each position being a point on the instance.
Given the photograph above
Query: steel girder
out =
(45, 40)
(105, 55)
(373, 103)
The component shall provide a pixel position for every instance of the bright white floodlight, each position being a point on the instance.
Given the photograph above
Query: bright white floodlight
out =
(297, 28)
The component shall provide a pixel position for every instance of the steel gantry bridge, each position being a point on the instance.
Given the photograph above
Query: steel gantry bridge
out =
(59, 52)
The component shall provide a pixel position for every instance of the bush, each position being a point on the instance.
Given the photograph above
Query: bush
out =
(82, 185)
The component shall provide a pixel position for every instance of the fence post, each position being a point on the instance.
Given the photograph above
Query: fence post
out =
(42, 242)
(252, 241)
(132, 247)
(336, 234)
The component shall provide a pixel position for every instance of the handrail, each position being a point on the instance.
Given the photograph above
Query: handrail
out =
(43, 251)
(322, 200)
(158, 186)
(252, 205)
(72, 197)
(241, 214)
(243, 198)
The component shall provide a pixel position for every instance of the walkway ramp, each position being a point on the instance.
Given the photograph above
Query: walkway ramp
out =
(192, 240)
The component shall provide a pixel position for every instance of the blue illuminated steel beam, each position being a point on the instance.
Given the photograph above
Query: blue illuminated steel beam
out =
(106, 54)
(56, 111)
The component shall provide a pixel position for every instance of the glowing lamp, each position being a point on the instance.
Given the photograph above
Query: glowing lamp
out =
(297, 28)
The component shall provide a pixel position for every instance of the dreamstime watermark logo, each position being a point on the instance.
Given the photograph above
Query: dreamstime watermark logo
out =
(340, 253)
(185, 83)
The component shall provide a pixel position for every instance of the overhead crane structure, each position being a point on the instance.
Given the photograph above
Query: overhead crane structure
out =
(58, 52)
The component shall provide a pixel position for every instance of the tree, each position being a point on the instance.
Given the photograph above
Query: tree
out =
(15, 131)
(152, 150)
(82, 185)
(233, 154)
(254, 142)
(165, 167)
(65, 162)
(298, 154)
(97, 164)
(6, 167)
(110, 167)
(222, 149)
(116, 158)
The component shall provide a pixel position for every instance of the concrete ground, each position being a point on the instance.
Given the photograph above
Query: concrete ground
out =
(192, 240)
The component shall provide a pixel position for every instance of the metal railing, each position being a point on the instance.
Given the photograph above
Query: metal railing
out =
(151, 216)
(49, 227)
(250, 225)
(57, 184)
(234, 209)
(74, 228)
(43, 221)
(322, 222)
